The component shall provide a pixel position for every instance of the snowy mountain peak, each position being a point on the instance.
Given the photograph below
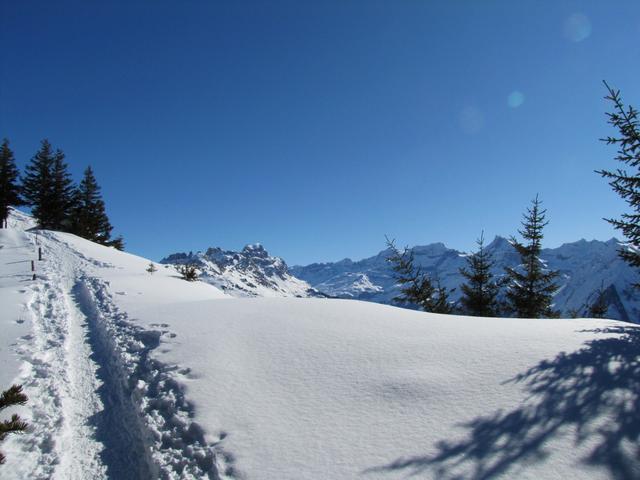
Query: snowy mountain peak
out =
(585, 267)
(250, 272)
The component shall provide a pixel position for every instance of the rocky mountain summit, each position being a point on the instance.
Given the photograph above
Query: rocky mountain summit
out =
(251, 272)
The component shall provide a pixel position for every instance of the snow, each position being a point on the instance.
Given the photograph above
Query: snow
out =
(133, 375)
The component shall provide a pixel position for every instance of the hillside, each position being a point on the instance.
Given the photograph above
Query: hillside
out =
(584, 268)
(132, 375)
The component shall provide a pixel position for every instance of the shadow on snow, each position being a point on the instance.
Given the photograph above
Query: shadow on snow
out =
(594, 392)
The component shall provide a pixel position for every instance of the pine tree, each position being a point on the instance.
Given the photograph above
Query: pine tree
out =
(62, 193)
(439, 301)
(47, 188)
(626, 183)
(413, 285)
(9, 187)
(600, 307)
(531, 288)
(38, 183)
(151, 268)
(90, 220)
(480, 292)
(11, 397)
(416, 287)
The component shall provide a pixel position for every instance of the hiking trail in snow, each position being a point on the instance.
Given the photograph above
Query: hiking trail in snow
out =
(99, 405)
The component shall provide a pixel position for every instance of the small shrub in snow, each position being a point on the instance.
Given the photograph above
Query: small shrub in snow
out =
(151, 268)
(188, 271)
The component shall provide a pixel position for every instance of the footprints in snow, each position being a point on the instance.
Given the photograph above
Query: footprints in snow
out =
(164, 333)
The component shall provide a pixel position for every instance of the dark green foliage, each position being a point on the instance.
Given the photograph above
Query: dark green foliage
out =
(417, 289)
(117, 243)
(439, 301)
(9, 186)
(48, 188)
(480, 292)
(531, 285)
(600, 306)
(189, 271)
(151, 268)
(90, 219)
(11, 397)
(626, 183)
(62, 193)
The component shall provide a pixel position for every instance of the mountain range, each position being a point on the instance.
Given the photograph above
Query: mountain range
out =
(584, 268)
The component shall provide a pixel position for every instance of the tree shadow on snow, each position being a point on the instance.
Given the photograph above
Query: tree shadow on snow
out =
(594, 390)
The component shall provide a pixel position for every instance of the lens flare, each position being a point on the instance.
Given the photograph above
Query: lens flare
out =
(515, 99)
(577, 27)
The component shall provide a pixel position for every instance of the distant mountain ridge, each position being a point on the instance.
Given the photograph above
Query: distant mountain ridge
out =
(584, 266)
(251, 272)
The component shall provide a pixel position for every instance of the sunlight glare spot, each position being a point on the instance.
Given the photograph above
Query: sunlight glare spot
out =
(515, 99)
(577, 27)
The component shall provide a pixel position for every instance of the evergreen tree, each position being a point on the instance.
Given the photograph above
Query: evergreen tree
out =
(416, 287)
(439, 301)
(188, 271)
(47, 188)
(600, 307)
(37, 184)
(90, 220)
(62, 192)
(9, 187)
(531, 288)
(626, 183)
(11, 397)
(480, 292)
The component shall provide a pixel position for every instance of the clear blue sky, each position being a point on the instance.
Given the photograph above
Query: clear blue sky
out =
(318, 127)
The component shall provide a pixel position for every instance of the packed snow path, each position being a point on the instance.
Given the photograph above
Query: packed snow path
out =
(88, 378)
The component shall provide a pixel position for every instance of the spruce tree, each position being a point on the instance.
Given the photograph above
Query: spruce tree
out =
(47, 188)
(600, 306)
(626, 183)
(480, 292)
(90, 219)
(416, 287)
(413, 285)
(37, 184)
(9, 186)
(62, 193)
(11, 397)
(531, 288)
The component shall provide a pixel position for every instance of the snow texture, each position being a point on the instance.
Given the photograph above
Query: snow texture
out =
(138, 375)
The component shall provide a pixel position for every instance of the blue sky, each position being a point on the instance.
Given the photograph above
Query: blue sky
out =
(318, 127)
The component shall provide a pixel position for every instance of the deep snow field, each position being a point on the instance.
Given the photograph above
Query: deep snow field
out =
(132, 375)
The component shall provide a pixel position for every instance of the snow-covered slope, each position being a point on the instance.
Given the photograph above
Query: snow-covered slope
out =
(252, 272)
(584, 268)
(138, 376)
